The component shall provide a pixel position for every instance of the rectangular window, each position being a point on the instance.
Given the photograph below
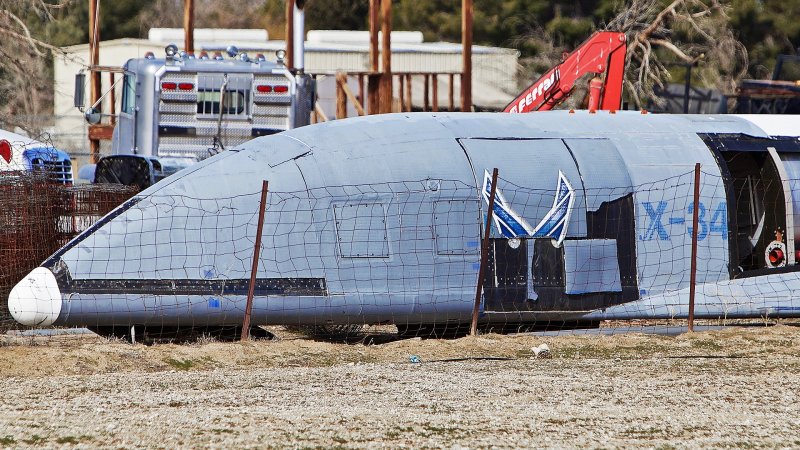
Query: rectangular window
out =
(456, 226)
(233, 102)
(361, 230)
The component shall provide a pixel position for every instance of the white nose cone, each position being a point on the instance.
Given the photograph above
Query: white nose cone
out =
(36, 300)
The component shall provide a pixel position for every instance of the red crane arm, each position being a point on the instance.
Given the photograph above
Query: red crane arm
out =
(603, 52)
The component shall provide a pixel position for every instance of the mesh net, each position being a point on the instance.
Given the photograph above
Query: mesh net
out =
(404, 258)
(38, 216)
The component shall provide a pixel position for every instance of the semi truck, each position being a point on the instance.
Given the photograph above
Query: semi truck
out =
(184, 108)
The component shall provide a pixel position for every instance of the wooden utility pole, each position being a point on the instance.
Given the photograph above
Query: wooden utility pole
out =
(289, 34)
(386, 57)
(374, 25)
(94, 61)
(188, 26)
(466, 42)
(374, 78)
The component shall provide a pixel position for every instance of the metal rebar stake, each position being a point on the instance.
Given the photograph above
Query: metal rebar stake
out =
(695, 219)
(256, 255)
(484, 255)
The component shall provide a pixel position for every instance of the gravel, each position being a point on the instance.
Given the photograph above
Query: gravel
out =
(735, 388)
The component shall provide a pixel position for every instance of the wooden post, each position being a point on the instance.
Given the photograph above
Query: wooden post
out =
(374, 26)
(695, 219)
(435, 83)
(112, 108)
(426, 95)
(386, 57)
(341, 98)
(289, 34)
(473, 330)
(343, 94)
(248, 311)
(374, 79)
(401, 92)
(361, 89)
(408, 93)
(450, 101)
(320, 113)
(188, 26)
(94, 61)
(466, 42)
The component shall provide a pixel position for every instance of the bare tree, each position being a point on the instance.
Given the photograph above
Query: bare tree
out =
(692, 32)
(208, 14)
(25, 81)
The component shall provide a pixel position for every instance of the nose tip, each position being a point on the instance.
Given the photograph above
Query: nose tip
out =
(36, 300)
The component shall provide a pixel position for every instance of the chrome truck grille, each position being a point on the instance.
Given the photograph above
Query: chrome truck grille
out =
(191, 103)
(60, 171)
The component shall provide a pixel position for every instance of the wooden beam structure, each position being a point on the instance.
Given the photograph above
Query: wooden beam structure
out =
(289, 34)
(188, 26)
(374, 79)
(374, 26)
(466, 44)
(112, 100)
(435, 84)
(94, 79)
(386, 94)
(450, 89)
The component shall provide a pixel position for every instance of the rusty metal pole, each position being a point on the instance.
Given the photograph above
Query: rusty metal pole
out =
(289, 34)
(188, 26)
(466, 43)
(386, 93)
(256, 255)
(473, 330)
(695, 219)
(94, 61)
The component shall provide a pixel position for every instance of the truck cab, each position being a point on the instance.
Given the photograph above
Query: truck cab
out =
(193, 107)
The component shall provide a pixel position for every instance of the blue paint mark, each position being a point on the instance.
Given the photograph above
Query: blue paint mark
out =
(642, 292)
(213, 302)
(657, 230)
(655, 227)
(472, 244)
(476, 266)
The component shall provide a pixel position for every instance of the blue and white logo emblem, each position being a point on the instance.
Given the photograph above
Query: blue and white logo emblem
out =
(512, 225)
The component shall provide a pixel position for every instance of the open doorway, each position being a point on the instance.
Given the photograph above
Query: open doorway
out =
(758, 210)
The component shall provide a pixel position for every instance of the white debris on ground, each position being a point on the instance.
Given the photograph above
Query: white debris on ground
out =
(542, 351)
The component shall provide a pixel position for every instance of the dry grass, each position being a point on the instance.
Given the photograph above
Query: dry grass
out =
(733, 388)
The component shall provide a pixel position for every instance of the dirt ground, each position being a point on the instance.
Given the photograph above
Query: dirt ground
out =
(733, 388)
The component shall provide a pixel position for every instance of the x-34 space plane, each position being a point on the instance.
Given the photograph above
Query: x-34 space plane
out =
(379, 220)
